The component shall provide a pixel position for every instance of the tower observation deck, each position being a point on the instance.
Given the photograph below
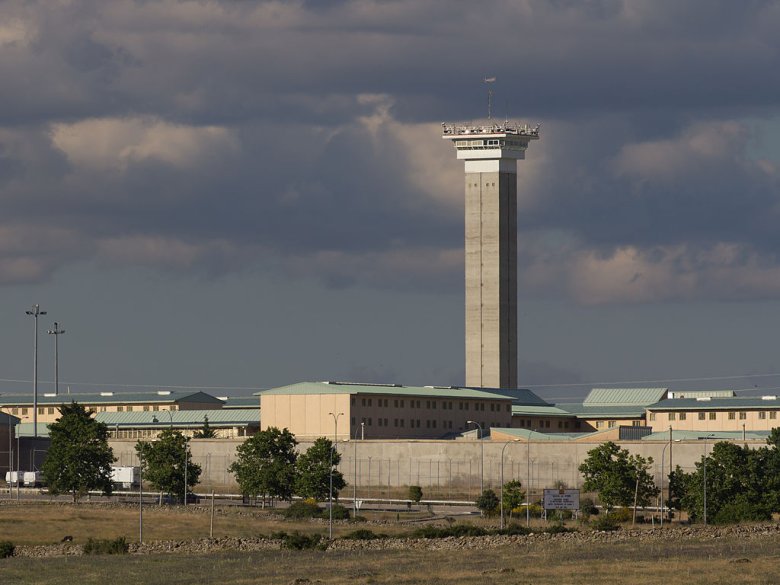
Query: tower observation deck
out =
(490, 152)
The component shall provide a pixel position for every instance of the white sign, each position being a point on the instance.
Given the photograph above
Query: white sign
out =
(561, 500)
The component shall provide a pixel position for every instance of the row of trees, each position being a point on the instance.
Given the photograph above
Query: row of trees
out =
(732, 483)
(79, 460)
(268, 466)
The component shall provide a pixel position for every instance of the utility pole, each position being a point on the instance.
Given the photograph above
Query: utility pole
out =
(56, 332)
(35, 312)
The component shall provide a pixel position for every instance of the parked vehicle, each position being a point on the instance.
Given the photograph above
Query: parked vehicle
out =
(125, 477)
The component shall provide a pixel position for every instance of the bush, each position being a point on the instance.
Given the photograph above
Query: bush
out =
(605, 523)
(6, 549)
(363, 534)
(297, 540)
(454, 530)
(622, 515)
(736, 512)
(106, 546)
(515, 530)
(487, 502)
(415, 493)
(302, 509)
(339, 513)
(535, 511)
(558, 529)
(588, 508)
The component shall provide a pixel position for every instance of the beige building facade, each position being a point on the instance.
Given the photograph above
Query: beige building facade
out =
(346, 410)
(715, 414)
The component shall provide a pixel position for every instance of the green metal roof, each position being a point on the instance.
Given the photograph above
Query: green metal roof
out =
(606, 412)
(624, 396)
(303, 388)
(538, 410)
(530, 435)
(159, 397)
(241, 402)
(519, 396)
(181, 419)
(709, 435)
(736, 403)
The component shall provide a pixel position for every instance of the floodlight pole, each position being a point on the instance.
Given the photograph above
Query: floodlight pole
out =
(330, 472)
(501, 504)
(56, 332)
(481, 456)
(704, 461)
(663, 453)
(35, 312)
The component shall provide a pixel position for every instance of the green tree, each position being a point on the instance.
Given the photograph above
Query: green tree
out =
(415, 493)
(79, 458)
(617, 476)
(513, 496)
(265, 464)
(314, 469)
(487, 502)
(164, 463)
(739, 485)
(205, 432)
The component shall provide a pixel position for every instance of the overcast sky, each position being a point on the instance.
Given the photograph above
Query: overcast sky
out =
(250, 194)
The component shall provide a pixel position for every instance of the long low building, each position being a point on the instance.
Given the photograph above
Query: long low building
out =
(382, 411)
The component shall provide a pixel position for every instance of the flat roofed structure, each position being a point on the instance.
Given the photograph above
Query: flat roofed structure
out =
(751, 413)
(48, 404)
(490, 152)
(381, 411)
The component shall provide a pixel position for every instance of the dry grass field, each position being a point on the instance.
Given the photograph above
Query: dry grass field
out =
(725, 560)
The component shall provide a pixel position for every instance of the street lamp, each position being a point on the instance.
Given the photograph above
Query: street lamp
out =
(330, 472)
(705, 475)
(528, 476)
(501, 524)
(663, 454)
(35, 312)
(56, 332)
(481, 456)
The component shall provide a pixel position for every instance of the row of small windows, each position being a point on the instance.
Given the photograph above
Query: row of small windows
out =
(431, 404)
(732, 415)
(52, 410)
(415, 423)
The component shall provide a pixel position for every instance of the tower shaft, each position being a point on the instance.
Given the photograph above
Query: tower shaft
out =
(491, 279)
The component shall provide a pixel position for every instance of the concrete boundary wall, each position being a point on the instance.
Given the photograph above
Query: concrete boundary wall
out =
(444, 468)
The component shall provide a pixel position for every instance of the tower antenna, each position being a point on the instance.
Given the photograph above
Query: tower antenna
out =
(487, 81)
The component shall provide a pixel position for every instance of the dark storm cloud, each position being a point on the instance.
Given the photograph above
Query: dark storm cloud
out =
(301, 136)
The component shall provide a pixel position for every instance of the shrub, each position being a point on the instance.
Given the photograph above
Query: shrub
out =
(736, 512)
(487, 502)
(514, 530)
(454, 530)
(339, 513)
(588, 508)
(535, 511)
(622, 515)
(363, 534)
(6, 549)
(297, 540)
(605, 523)
(415, 493)
(302, 509)
(106, 546)
(558, 529)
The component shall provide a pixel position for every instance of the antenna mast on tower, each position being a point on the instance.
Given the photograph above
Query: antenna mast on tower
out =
(488, 81)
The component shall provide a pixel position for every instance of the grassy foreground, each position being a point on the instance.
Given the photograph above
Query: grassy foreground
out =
(719, 561)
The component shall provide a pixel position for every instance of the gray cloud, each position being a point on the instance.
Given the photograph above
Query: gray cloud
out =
(301, 138)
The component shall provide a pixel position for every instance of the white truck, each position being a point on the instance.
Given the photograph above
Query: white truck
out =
(11, 477)
(26, 478)
(125, 477)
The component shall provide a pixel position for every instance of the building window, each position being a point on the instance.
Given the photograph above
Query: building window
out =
(433, 423)
(732, 415)
(713, 415)
(762, 415)
(24, 411)
(599, 424)
(772, 414)
(482, 406)
(652, 418)
(560, 426)
(612, 424)
(155, 408)
(16, 411)
(742, 415)
(427, 424)
(379, 422)
(395, 403)
(51, 411)
(636, 423)
(433, 404)
(683, 415)
(146, 409)
(509, 408)
(370, 401)
(402, 423)
(672, 416)
(122, 409)
(701, 416)
(352, 401)
(492, 407)
(566, 424)
(130, 409)
(40, 410)
(362, 403)
(369, 421)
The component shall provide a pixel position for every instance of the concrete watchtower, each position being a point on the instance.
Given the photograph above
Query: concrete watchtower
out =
(490, 153)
